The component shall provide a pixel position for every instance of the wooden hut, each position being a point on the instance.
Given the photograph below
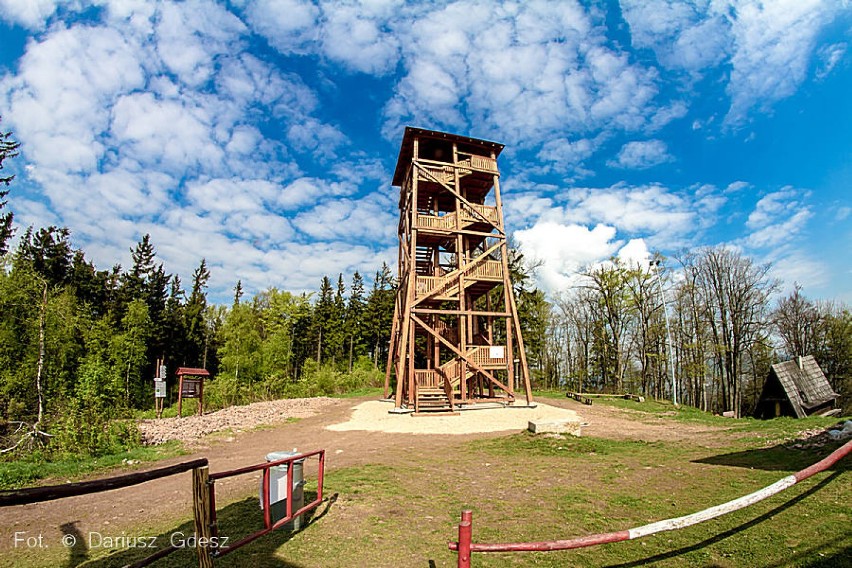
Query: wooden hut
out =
(456, 338)
(796, 388)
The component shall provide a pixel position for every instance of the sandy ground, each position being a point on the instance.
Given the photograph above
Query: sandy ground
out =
(373, 416)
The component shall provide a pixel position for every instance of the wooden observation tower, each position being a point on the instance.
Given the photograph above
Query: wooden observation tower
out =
(456, 337)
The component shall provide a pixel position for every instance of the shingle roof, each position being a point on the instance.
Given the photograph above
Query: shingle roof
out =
(806, 387)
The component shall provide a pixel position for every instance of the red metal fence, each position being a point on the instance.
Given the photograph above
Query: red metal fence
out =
(465, 546)
(269, 526)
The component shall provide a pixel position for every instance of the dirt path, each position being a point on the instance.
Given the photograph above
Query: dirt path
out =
(168, 500)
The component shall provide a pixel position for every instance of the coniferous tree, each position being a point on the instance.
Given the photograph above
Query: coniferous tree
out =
(353, 320)
(322, 320)
(378, 314)
(194, 315)
(8, 149)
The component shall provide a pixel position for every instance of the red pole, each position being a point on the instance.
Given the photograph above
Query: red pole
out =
(465, 536)
(267, 518)
(320, 474)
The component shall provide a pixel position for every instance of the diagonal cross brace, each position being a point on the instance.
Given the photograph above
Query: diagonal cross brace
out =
(455, 350)
(459, 271)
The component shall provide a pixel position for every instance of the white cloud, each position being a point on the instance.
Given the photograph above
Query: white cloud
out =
(190, 37)
(566, 155)
(543, 71)
(30, 14)
(642, 154)
(773, 42)
(565, 249)
(635, 253)
(684, 35)
(778, 217)
(768, 45)
(829, 57)
(290, 26)
(357, 35)
(153, 120)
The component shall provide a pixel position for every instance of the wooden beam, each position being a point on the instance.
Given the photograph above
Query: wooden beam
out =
(459, 312)
(51, 492)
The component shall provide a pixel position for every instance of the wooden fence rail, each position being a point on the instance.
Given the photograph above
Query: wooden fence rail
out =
(51, 492)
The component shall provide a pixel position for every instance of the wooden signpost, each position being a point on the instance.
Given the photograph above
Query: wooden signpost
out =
(191, 385)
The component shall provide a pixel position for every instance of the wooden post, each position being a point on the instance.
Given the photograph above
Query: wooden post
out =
(180, 397)
(201, 509)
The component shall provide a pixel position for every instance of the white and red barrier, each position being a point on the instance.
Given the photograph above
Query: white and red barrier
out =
(464, 546)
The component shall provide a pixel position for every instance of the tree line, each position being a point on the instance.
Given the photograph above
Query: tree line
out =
(703, 332)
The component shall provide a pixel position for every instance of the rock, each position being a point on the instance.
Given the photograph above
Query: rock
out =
(567, 426)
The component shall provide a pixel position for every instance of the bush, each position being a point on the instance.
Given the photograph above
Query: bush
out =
(83, 430)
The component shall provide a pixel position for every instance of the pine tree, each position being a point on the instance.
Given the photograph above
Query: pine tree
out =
(8, 149)
(353, 321)
(194, 315)
(322, 317)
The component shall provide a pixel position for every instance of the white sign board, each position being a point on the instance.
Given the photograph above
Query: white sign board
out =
(160, 389)
(496, 352)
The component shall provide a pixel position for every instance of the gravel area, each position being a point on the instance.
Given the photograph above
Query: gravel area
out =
(373, 416)
(237, 418)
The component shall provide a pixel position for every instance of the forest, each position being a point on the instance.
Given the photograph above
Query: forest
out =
(79, 343)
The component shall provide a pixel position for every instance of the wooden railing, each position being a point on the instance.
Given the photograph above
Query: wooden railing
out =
(479, 163)
(487, 211)
(487, 270)
(427, 378)
(488, 355)
(447, 221)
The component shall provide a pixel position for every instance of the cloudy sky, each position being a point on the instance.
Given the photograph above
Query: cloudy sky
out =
(262, 134)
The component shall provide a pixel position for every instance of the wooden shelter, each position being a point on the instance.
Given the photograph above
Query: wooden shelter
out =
(796, 388)
(455, 337)
(191, 385)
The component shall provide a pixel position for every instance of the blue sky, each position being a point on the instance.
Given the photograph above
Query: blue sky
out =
(262, 134)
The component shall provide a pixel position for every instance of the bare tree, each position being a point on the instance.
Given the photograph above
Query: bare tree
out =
(735, 299)
(797, 321)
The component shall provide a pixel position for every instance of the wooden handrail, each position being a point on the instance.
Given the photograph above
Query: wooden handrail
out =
(51, 492)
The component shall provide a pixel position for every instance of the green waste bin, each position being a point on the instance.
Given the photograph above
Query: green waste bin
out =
(278, 489)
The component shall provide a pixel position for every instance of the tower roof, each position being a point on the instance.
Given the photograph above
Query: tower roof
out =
(406, 149)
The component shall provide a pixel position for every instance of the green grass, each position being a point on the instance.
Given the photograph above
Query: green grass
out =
(21, 473)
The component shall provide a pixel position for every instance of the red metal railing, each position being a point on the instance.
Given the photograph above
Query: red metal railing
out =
(465, 547)
(269, 526)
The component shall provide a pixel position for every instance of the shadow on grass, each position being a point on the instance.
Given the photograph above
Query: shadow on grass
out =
(841, 558)
(779, 458)
(235, 521)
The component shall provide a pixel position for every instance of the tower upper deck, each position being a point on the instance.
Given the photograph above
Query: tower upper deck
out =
(478, 156)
